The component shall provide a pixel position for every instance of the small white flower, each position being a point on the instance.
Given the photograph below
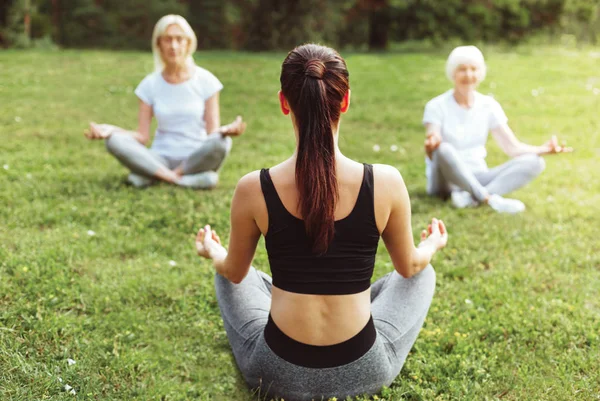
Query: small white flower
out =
(60, 380)
(68, 388)
(71, 362)
(91, 233)
(6, 166)
(18, 119)
(73, 392)
(376, 148)
(172, 263)
(394, 148)
(596, 91)
(534, 92)
(468, 302)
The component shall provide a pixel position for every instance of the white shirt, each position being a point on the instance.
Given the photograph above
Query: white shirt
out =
(465, 129)
(179, 111)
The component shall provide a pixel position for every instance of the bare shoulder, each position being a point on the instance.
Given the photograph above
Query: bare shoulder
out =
(386, 176)
(249, 184)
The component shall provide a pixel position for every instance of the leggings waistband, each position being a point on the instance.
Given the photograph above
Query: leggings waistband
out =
(319, 356)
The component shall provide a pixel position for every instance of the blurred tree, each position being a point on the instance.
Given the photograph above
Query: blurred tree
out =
(274, 24)
(582, 19)
(283, 24)
(5, 6)
(208, 18)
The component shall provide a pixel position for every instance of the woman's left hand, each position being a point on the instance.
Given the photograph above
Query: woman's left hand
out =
(235, 128)
(208, 242)
(553, 147)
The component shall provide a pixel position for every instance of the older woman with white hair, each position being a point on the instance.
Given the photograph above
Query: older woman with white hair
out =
(457, 124)
(189, 146)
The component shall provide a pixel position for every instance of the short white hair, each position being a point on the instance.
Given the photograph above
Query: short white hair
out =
(160, 28)
(470, 55)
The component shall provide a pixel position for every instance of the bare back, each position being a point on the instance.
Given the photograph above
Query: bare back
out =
(321, 319)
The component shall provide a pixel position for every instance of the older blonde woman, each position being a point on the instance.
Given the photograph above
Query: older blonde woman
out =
(457, 124)
(189, 146)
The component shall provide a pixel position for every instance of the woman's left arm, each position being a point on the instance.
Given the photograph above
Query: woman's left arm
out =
(235, 263)
(212, 114)
(509, 143)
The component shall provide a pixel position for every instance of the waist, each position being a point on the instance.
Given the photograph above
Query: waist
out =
(319, 356)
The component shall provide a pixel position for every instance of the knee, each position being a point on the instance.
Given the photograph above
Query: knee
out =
(114, 143)
(224, 145)
(445, 151)
(430, 275)
(427, 278)
(535, 164)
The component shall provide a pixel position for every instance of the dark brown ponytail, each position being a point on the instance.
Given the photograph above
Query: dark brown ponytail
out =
(314, 80)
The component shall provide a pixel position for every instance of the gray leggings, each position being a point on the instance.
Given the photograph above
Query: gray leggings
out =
(398, 307)
(448, 170)
(145, 162)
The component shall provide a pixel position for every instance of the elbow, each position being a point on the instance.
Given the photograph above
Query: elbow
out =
(235, 280)
(235, 277)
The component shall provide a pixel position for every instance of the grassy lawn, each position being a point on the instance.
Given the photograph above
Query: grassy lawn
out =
(106, 275)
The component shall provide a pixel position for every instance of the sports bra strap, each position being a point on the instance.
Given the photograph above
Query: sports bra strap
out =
(275, 207)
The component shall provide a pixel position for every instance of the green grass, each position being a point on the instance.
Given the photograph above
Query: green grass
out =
(516, 315)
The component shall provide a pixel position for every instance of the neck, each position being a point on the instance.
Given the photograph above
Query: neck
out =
(176, 70)
(464, 97)
(335, 129)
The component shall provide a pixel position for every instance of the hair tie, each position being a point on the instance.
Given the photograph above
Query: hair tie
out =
(314, 68)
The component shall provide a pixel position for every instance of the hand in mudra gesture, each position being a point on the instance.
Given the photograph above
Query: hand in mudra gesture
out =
(98, 131)
(436, 233)
(208, 242)
(235, 128)
(431, 144)
(553, 147)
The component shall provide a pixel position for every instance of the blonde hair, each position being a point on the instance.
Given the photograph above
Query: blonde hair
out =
(160, 28)
(465, 55)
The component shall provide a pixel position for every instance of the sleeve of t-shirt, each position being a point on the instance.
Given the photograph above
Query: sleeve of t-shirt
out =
(144, 90)
(497, 115)
(433, 113)
(209, 84)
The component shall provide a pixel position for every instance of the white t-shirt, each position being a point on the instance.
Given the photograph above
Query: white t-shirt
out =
(466, 129)
(179, 110)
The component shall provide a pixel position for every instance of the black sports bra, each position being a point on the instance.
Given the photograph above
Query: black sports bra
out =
(346, 267)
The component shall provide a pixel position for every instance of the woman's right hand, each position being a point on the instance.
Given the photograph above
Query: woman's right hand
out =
(98, 131)
(208, 243)
(431, 143)
(436, 234)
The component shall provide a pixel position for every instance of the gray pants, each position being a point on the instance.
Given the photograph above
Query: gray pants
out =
(145, 162)
(398, 307)
(449, 171)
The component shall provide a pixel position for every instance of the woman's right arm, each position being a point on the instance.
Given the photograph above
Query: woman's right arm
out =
(397, 235)
(433, 138)
(142, 134)
(144, 119)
